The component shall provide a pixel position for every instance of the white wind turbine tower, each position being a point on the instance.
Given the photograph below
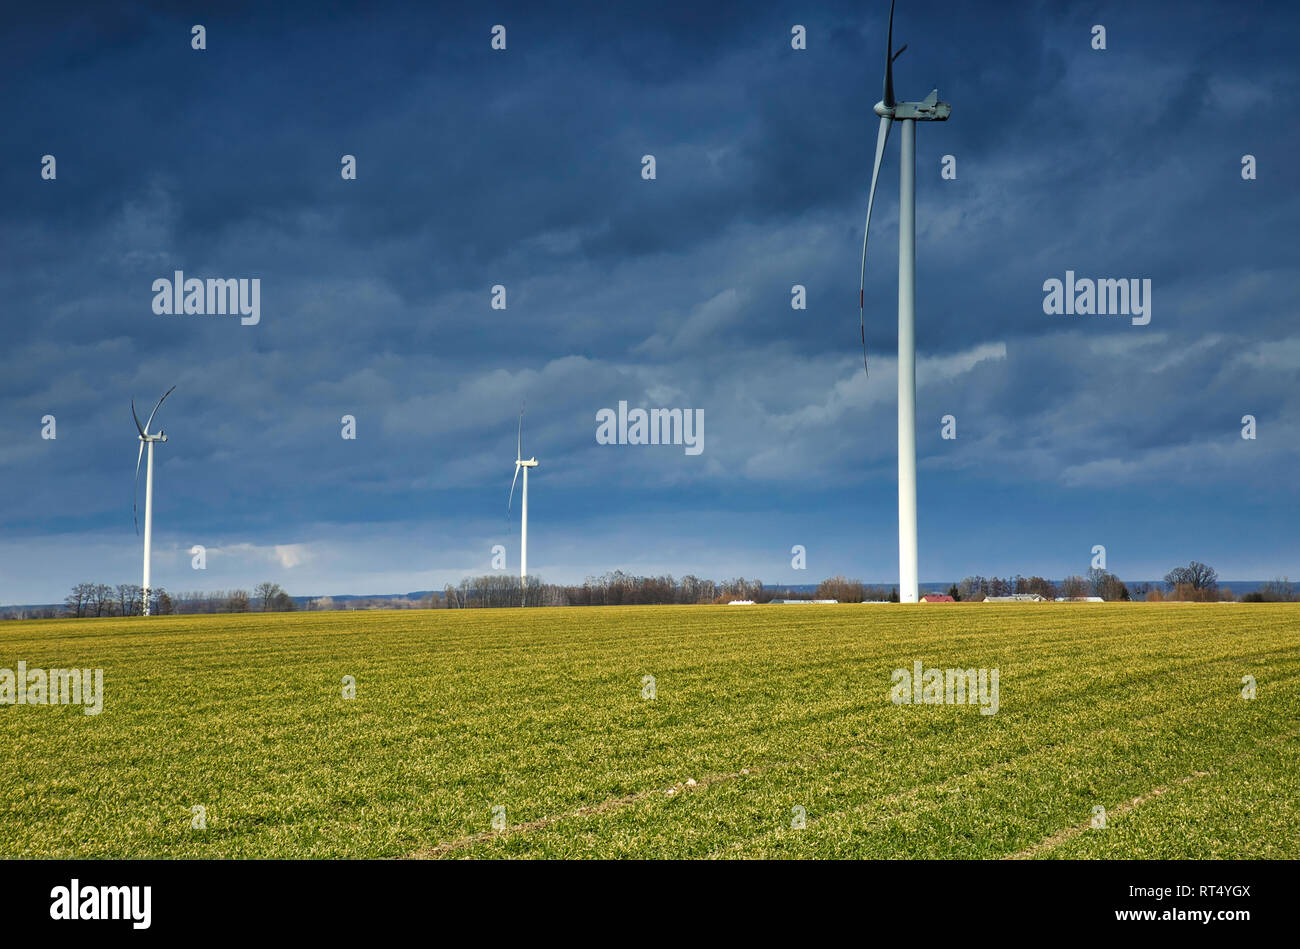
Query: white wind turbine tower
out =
(521, 464)
(146, 439)
(930, 109)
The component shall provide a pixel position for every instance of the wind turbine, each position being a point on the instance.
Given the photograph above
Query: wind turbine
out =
(146, 439)
(929, 109)
(521, 464)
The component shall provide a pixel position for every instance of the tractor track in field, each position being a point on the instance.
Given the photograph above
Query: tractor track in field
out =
(460, 843)
(1074, 830)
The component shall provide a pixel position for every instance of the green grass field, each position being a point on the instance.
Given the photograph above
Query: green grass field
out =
(1137, 708)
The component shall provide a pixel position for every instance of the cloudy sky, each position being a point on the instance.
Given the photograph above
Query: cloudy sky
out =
(523, 168)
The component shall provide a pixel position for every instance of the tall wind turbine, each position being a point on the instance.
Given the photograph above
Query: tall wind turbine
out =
(146, 440)
(930, 109)
(521, 464)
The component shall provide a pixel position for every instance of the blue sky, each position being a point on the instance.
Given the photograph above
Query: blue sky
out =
(522, 168)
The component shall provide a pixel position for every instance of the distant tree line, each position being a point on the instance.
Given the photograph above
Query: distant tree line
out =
(1097, 582)
(1194, 582)
(614, 588)
(1277, 590)
(976, 588)
(126, 599)
(850, 591)
(266, 597)
(428, 601)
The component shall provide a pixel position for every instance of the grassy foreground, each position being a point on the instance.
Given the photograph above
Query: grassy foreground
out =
(1136, 708)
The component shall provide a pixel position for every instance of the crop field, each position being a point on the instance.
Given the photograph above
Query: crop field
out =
(765, 732)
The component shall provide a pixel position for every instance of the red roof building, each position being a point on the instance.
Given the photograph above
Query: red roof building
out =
(937, 598)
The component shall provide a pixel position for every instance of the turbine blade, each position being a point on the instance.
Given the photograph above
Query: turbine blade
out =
(135, 495)
(888, 97)
(155, 408)
(138, 426)
(882, 137)
(519, 438)
(512, 490)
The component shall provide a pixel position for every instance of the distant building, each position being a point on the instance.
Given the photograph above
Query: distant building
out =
(741, 603)
(803, 601)
(1079, 599)
(937, 598)
(1017, 598)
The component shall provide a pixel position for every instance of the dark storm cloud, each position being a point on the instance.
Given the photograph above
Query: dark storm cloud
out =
(523, 168)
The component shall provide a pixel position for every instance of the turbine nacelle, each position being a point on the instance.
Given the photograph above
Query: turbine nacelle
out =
(929, 109)
(530, 463)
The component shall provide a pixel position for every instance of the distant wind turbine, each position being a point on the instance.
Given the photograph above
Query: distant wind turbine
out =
(930, 109)
(146, 439)
(521, 464)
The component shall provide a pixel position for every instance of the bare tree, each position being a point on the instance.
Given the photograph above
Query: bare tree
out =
(266, 593)
(128, 598)
(1074, 586)
(1277, 590)
(1198, 576)
(101, 599)
(1106, 585)
(77, 601)
(1044, 588)
(842, 589)
(237, 602)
